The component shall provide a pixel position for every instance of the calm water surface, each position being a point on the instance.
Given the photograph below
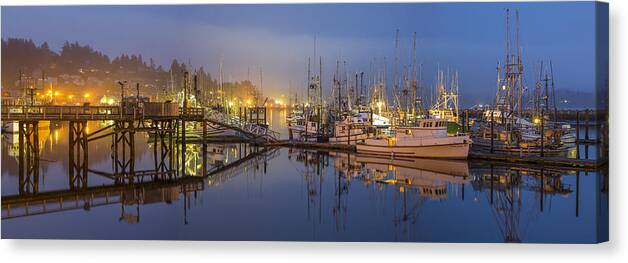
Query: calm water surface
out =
(290, 194)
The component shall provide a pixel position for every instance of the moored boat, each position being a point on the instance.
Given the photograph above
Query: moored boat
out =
(350, 130)
(428, 139)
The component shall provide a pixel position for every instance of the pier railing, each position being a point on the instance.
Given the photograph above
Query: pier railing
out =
(64, 112)
(56, 112)
(132, 112)
(247, 127)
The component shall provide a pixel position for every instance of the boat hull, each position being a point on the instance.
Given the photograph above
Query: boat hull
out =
(450, 149)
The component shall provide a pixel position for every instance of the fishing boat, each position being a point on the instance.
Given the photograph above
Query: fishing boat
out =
(302, 128)
(351, 130)
(508, 127)
(427, 139)
(446, 105)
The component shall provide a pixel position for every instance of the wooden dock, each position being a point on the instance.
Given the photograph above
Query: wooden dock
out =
(562, 162)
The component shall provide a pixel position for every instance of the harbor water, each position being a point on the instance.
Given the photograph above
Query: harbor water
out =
(255, 193)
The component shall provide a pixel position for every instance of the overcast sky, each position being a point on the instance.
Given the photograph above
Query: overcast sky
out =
(467, 37)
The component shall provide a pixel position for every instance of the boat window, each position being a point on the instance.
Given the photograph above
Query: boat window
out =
(409, 132)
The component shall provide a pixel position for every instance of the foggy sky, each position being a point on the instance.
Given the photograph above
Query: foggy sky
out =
(464, 37)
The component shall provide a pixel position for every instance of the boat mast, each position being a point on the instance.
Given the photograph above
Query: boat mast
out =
(414, 83)
(553, 92)
(395, 73)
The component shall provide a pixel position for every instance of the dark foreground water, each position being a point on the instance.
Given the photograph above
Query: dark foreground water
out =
(289, 194)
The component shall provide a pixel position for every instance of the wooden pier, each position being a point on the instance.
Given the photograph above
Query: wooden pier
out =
(165, 120)
(562, 162)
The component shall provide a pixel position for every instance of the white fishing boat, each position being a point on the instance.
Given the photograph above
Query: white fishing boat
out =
(380, 121)
(428, 139)
(350, 130)
(302, 129)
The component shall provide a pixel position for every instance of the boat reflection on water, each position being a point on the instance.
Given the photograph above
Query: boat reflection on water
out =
(505, 188)
(413, 181)
(518, 198)
(428, 176)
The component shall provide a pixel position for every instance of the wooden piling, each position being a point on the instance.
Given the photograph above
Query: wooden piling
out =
(183, 148)
(204, 154)
(542, 134)
(586, 125)
(577, 193)
(466, 117)
(349, 135)
(577, 134)
(492, 130)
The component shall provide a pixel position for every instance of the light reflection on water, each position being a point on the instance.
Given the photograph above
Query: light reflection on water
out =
(290, 194)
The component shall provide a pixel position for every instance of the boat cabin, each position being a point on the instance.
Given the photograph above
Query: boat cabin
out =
(424, 128)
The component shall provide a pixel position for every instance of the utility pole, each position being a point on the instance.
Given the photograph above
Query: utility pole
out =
(261, 86)
(196, 91)
(43, 81)
(121, 97)
(185, 91)
(221, 89)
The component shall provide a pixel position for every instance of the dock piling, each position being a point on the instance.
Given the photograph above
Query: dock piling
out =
(492, 130)
(586, 125)
(542, 134)
(577, 134)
